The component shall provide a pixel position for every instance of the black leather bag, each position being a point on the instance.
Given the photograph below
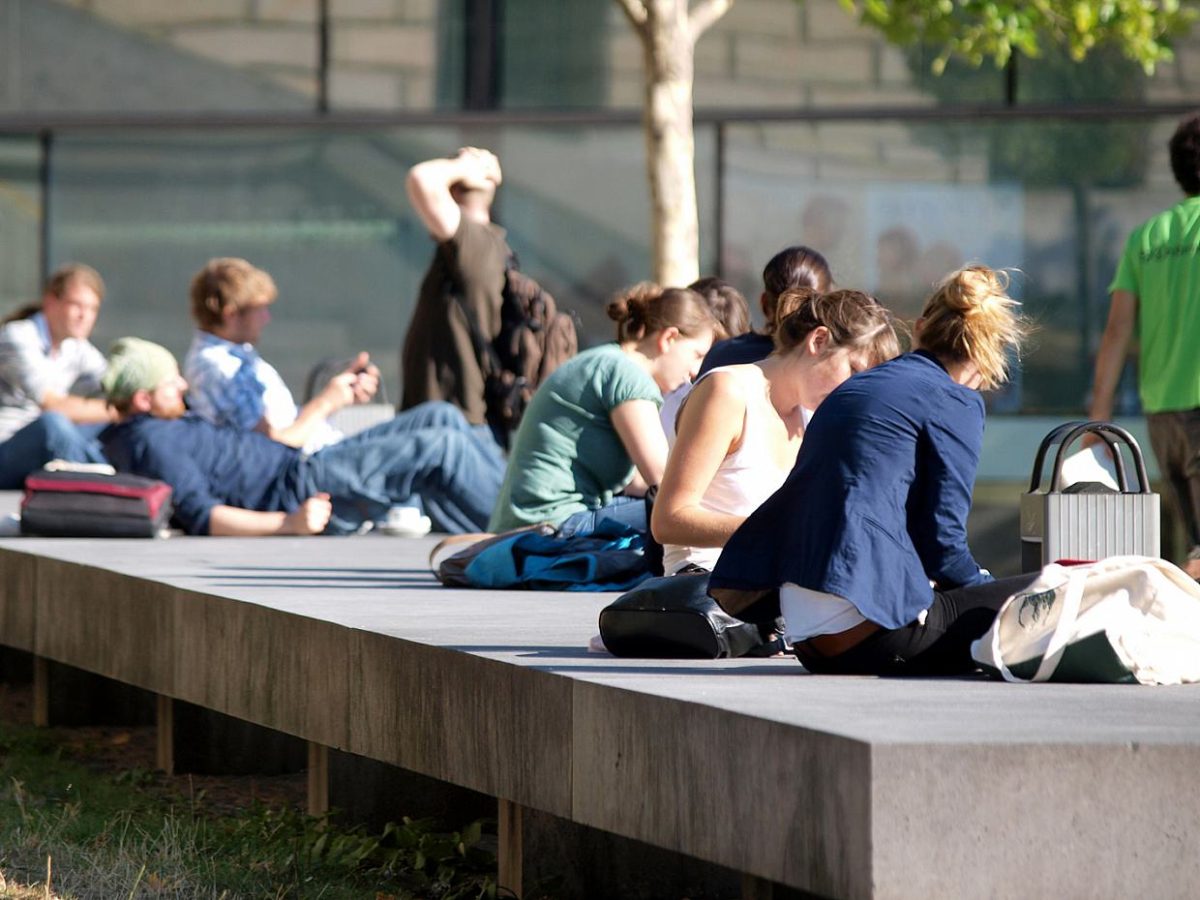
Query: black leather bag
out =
(674, 618)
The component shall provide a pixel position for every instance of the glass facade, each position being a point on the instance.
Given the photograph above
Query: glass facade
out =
(893, 203)
(20, 221)
(325, 212)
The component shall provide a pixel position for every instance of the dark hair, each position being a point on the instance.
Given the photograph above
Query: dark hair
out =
(1185, 154)
(971, 318)
(726, 303)
(854, 319)
(646, 308)
(794, 267)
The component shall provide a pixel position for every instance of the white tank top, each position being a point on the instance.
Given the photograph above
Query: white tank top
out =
(745, 478)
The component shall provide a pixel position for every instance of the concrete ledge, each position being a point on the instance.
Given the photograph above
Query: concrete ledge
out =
(846, 787)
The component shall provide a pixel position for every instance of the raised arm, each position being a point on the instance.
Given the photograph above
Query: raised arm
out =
(637, 424)
(429, 184)
(357, 383)
(710, 427)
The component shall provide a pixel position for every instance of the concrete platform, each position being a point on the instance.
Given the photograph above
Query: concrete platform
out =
(845, 787)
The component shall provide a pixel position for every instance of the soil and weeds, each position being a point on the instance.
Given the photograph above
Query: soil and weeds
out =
(83, 816)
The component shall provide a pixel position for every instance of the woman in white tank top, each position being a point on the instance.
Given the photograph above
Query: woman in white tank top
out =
(739, 430)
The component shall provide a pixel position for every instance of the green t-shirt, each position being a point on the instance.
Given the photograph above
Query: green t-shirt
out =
(566, 456)
(1161, 266)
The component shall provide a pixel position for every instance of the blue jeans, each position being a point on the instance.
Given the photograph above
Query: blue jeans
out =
(427, 456)
(630, 511)
(49, 436)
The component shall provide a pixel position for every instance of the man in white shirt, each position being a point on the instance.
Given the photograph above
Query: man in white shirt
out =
(48, 369)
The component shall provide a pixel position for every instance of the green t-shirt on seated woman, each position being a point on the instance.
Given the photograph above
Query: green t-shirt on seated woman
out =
(566, 456)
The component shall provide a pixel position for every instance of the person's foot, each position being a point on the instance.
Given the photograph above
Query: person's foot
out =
(1192, 567)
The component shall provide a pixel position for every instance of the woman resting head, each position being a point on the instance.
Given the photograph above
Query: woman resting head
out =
(741, 427)
(592, 429)
(875, 510)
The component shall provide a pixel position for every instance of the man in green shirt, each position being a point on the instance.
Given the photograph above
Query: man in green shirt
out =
(1156, 296)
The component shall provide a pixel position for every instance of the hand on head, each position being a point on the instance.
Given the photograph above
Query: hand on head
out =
(483, 164)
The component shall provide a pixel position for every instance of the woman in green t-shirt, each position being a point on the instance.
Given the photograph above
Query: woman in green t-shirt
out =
(592, 429)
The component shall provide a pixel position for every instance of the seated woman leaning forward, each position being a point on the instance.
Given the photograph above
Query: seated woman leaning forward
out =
(875, 509)
(740, 428)
(592, 428)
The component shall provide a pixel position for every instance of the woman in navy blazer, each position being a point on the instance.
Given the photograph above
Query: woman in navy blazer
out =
(866, 541)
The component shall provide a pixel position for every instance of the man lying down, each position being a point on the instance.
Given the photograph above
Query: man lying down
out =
(241, 483)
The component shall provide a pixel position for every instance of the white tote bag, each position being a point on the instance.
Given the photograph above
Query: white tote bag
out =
(1126, 618)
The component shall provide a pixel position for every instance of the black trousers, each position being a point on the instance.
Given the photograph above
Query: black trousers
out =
(940, 646)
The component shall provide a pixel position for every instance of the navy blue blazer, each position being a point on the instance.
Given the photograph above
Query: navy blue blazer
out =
(876, 506)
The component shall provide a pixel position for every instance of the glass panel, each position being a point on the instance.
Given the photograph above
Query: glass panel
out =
(393, 56)
(554, 55)
(142, 56)
(895, 206)
(326, 214)
(20, 222)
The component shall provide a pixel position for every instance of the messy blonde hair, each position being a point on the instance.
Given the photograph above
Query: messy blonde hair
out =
(971, 318)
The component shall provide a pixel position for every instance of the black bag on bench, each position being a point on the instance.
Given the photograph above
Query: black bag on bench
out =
(674, 618)
(91, 504)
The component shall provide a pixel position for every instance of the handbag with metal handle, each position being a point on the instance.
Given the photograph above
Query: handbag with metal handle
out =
(1088, 520)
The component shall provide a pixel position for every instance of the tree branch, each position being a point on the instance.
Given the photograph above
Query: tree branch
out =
(635, 11)
(704, 14)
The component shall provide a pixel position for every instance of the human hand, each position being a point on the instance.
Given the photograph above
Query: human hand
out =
(366, 377)
(310, 517)
(482, 166)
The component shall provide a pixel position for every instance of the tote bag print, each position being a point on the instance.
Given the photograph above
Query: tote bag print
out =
(1124, 619)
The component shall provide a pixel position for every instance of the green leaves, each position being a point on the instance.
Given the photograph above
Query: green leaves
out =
(979, 30)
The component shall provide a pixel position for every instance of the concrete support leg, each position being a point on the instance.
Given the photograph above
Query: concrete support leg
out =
(318, 779)
(41, 692)
(509, 856)
(164, 734)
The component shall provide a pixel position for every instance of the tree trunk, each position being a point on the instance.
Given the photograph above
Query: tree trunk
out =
(670, 149)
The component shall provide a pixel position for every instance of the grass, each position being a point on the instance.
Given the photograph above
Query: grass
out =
(71, 830)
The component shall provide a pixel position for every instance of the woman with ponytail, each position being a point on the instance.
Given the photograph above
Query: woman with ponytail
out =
(875, 510)
(592, 429)
(740, 428)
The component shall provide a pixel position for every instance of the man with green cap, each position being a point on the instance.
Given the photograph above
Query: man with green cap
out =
(227, 481)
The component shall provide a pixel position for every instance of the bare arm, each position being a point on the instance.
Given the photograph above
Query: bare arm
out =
(356, 384)
(709, 427)
(638, 426)
(429, 183)
(1114, 347)
(82, 410)
(308, 518)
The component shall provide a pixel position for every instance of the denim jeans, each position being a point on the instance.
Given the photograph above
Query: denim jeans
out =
(427, 456)
(49, 436)
(629, 511)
